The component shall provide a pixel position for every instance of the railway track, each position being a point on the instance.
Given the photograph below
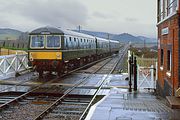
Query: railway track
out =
(41, 105)
(31, 104)
(122, 54)
(22, 83)
(73, 108)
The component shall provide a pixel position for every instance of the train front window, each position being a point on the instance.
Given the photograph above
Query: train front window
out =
(53, 41)
(37, 41)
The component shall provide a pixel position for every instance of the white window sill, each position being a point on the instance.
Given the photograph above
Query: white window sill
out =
(161, 68)
(168, 74)
(167, 17)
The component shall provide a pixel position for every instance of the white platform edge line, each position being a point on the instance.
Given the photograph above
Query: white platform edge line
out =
(93, 108)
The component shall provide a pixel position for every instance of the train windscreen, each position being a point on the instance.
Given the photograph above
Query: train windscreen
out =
(53, 41)
(37, 41)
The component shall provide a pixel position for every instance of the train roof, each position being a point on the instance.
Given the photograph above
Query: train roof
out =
(114, 41)
(47, 30)
(102, 39)
(53, 30)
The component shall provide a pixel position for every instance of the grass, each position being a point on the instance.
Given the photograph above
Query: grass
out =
(144, 52)
(14, 48)
(8, 36)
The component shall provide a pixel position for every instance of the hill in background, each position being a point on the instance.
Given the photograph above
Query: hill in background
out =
(9, 34)
(12, 34)
(124, 37)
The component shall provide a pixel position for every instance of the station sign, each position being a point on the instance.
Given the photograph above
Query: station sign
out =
(165, 31)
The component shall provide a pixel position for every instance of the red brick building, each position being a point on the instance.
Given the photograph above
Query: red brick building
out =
(168, 23)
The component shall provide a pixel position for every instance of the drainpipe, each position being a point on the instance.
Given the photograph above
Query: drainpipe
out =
(177, 94)
(173, 65)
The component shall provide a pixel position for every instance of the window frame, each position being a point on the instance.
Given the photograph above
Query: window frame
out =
(37, 47)
(53, 47)
(169, 60)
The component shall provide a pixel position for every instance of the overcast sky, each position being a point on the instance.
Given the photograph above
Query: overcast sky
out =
(137, 17)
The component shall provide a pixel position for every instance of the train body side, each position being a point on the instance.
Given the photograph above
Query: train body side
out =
(72, 50)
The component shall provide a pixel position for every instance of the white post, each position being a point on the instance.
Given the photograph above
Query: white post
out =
(16, 88)
(138, 78)
(152, 76)
(16, 62)
(5, 64)
(156, 74)
(129, 54)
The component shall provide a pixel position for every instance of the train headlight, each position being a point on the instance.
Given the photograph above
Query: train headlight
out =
(30, 57)
(58, 55)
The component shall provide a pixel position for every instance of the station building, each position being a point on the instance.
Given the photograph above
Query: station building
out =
(168, 23)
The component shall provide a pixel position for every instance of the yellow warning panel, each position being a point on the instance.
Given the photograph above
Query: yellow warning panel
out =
(46, 55)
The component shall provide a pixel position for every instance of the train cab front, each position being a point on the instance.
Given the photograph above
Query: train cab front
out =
(45, 50)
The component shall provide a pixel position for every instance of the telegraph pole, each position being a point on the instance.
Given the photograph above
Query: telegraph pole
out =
(79, 28)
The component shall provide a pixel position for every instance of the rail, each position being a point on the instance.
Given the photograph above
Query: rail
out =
(41, 85)
(97, 91)
(66, 93)
(23, 82)
(57, 102)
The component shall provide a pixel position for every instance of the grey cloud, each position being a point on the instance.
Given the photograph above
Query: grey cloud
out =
(51, 12)
(103, 15)
(99, 15)
(128, 19)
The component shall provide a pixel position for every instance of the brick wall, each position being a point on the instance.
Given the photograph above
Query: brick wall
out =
(169, 42)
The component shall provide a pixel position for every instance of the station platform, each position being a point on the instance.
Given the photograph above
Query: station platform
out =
(122, 105)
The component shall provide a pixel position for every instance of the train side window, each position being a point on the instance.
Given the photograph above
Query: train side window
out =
(78, 41)
(88, 43)
(70, 43)
(66, 42)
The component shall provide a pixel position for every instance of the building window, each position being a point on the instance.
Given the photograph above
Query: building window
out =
(172, 4)
(169, 60)
(161, 9)
(166, 8)
(162, 57)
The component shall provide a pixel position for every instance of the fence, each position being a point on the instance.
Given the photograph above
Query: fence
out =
(146, 77)
(12, 64)
(146, 72)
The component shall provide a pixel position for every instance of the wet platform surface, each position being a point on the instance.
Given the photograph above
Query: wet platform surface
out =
(87, 88)
(121, 105)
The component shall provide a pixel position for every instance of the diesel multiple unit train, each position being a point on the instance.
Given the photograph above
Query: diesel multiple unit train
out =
(58, 50)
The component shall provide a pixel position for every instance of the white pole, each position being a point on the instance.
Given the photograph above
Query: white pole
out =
(156, 74)
(152, 76)
(138, 80)
(129, 54)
